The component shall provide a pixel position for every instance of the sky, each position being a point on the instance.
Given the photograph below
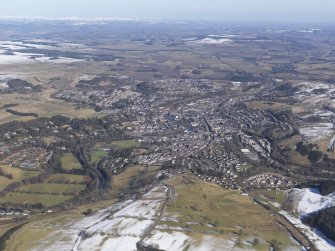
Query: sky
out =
(257, 10)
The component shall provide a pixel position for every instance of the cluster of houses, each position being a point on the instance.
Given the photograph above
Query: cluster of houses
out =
(269, 181)
(27, 158)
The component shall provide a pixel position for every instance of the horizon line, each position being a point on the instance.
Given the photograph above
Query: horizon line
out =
(110, 19)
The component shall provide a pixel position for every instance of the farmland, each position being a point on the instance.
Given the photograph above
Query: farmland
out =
(69, 162)
(51, 188)
(45, 199)
(68, 178)
(17, 174)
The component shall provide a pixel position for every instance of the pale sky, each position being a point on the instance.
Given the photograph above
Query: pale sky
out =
(272, 10)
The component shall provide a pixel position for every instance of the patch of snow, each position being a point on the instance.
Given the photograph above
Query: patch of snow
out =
(309, 200)
(15, 58)
(212, 243)
(12, 45)
(89, 244)
(177, 240)
(170, 219)
(123, 243)
(213, 41)
(6, 77)
(120, 226)
(222, 36)
(275, 204)
(41, 41)
(73, 45)
(317, 131)
(19, 57)
(313, 201)
(168, 241)
(133, 227)
(43, 59)
(3, 85)
(141, 209)
(190, 39)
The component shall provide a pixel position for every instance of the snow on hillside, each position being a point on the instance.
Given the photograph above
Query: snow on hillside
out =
(309, 200)
(313, 201)
(118, 227)
(317, 131)
(306, 201)
(178, 240)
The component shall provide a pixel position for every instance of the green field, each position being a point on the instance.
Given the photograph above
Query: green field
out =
(17, 173)
(124, 144)
(22, 198)
(119, 144)
(52, 188)
(226, 212)
(67, 178)
(96, 155)
(69, 162)
(270, 195)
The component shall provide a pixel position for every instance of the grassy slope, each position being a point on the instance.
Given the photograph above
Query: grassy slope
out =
(224, 212)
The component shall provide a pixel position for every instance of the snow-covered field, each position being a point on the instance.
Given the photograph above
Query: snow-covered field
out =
(36, 44)
(12, 52)
(16, 57)
(309, 200)
(20, 57)
(309, 87)
(317, 131)
(118, 227)
(168, 241)
(123, 243)
(178, 240)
